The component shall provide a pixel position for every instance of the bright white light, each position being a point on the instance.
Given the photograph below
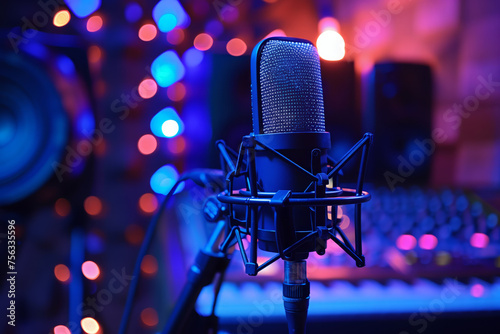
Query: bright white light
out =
(170, 128)
(331, 45)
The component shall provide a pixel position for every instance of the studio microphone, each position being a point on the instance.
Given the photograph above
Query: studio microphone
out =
(288, 115)
(290, 180)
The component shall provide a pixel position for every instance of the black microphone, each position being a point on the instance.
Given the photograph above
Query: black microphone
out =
(288, 116)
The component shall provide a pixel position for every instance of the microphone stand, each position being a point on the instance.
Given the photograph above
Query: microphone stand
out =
(209, 263)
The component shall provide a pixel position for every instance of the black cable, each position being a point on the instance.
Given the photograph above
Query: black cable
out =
(142, 252)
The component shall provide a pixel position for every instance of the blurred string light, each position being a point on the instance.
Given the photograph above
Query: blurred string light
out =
(214, 28)
(330, 44)
(175, 36)
(148, 203)
(147, 144)
(167, 123)
(276, 33)
(203, 42)
(177, 91)
(90, 269)
(83, 8)
(62, 273)
(236, 47)
(62, 207)
(147, 32)
(147, 88)
(163, 180)
(61, 18)
(94, 23)
(176, 145)
(60, 329)
(167, 68)
(92, 205)
(90, 325)
(169, 14)
(192, 57)
(133, 12)
(134, 234)
(149, 317)
(94, 54)
(149, 265)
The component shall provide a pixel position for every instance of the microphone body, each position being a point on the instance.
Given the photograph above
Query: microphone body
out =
(288, 116)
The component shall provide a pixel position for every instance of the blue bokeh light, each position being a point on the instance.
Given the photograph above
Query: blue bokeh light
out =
(163, 180)
(167, 68)
(192, 57)
(133, 12)
(169, 14)
(65, 65)
(83, 8)
(167, 123)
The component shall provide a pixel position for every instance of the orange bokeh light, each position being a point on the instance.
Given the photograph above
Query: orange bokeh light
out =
(94, 23)
(176, 92)
(147, 88)
(92, 205)
(147, 32)
(148, 203)
(94, 54)
(134, 234)
(236, 47)
(203, 42)
(149, 265)
(89, 325)
(61, 330)
(175, 36)
(61, 18)
(147, 144)
(176, 145)
(62, 207)
(62, 273)
(90, 270)
(149, 317)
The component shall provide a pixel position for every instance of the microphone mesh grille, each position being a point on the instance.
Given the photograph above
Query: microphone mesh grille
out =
(291, 89)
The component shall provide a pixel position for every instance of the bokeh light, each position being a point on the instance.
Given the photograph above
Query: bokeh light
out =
(330, 45)
(176, 92)
(236, 47)
(479, 240)
(192, 57)
(176, 36)
(149, 265)
(147, 88)
(94, 54)
(61, 18)
(133, 12)
(92, 205)
(94, 23)
(477, 290)
(167, 68)
(62, 273)
(164, 179)
(148, 203)
(276, 33)
(203, 42)
(147, 144)
(406, 242)
(83, 8)
(169, 14)
(328, 23)
(176, 145)
(62, 207)
(89, 325)
(214, 27)
(427, 241)
(134, 234)
(149, 317)
(167, 123)
(60, 329)
(147, 32)
(90, 269)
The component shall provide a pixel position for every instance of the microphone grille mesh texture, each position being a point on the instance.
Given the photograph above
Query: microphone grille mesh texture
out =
(291, 88)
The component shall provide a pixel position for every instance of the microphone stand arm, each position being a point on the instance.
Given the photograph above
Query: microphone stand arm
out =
(209, 263)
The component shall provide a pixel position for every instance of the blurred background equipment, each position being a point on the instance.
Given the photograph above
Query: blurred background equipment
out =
(149, 87)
